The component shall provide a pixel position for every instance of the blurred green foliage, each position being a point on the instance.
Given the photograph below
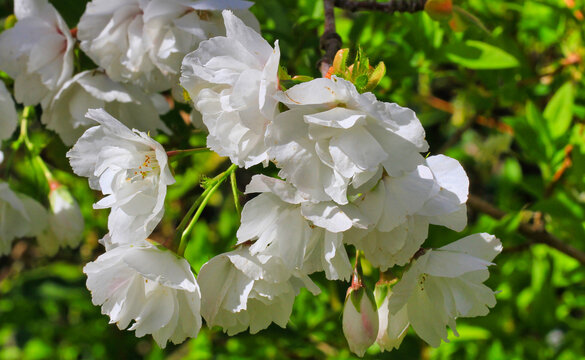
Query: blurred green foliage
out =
(507, 102)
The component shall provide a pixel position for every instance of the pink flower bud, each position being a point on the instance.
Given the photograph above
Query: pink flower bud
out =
(360, 320)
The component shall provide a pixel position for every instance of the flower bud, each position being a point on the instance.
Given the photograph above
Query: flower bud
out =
(10, 21)
(360, 319)
(439, 9)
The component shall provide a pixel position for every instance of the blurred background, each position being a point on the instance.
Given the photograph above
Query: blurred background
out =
(503, 93)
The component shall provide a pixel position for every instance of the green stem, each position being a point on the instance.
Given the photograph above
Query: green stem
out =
(28, 114)
(188, 222)
(235, 192)
(471, 18)
(191, 226)
(44, 168)
(77, 58)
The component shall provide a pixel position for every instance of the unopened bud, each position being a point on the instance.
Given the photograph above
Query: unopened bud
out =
(10, 21)
(340, 61)
(375, 76)
(360, 73)
(439, 10)
(360, 320)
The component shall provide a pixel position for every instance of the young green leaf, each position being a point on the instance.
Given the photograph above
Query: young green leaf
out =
(559, 111)
(478, 55)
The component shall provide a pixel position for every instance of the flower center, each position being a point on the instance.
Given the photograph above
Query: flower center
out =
(148, 168)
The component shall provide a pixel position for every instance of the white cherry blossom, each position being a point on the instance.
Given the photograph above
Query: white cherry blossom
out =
(231, 81)
(385, 249)
(65, 113)
(325, 252)
(333, 137)
(445, 284)
(241, 291)
(277, 229)
(20, 216)
(130, 168)
(447, 205)
(150, 286)
(65, 220)
(8, 116)
(37, 52)
(301, 233)
(144, 41)
(403, 207)
(392, 206)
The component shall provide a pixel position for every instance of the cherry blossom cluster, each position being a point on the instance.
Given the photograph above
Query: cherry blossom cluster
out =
(352, 174)
(138, 46)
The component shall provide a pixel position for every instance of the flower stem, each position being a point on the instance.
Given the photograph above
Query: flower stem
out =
(187, 231)
(235, 192)
(188, 222)
(28, 114)
(356, 279)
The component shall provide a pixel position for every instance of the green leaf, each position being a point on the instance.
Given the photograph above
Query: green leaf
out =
(478, 55)
(283, 73)
(559, 111)
(531, 144)
(361, 82)
(539, 124)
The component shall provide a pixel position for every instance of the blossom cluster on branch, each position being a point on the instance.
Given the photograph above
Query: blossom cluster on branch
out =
(352, 172)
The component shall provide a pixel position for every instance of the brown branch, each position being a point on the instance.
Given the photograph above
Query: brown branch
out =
(536, 234)
(330, 41)
(390, 7)
(447, 107)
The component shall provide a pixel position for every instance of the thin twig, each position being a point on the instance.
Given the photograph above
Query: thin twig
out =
(390, 7)
(536, 234)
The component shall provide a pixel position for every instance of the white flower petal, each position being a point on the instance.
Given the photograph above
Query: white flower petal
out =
(483, 246)
(251, 293)
(37, 52)
(8, 115)
(231, 80)
(445, 284)
(158, 302)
